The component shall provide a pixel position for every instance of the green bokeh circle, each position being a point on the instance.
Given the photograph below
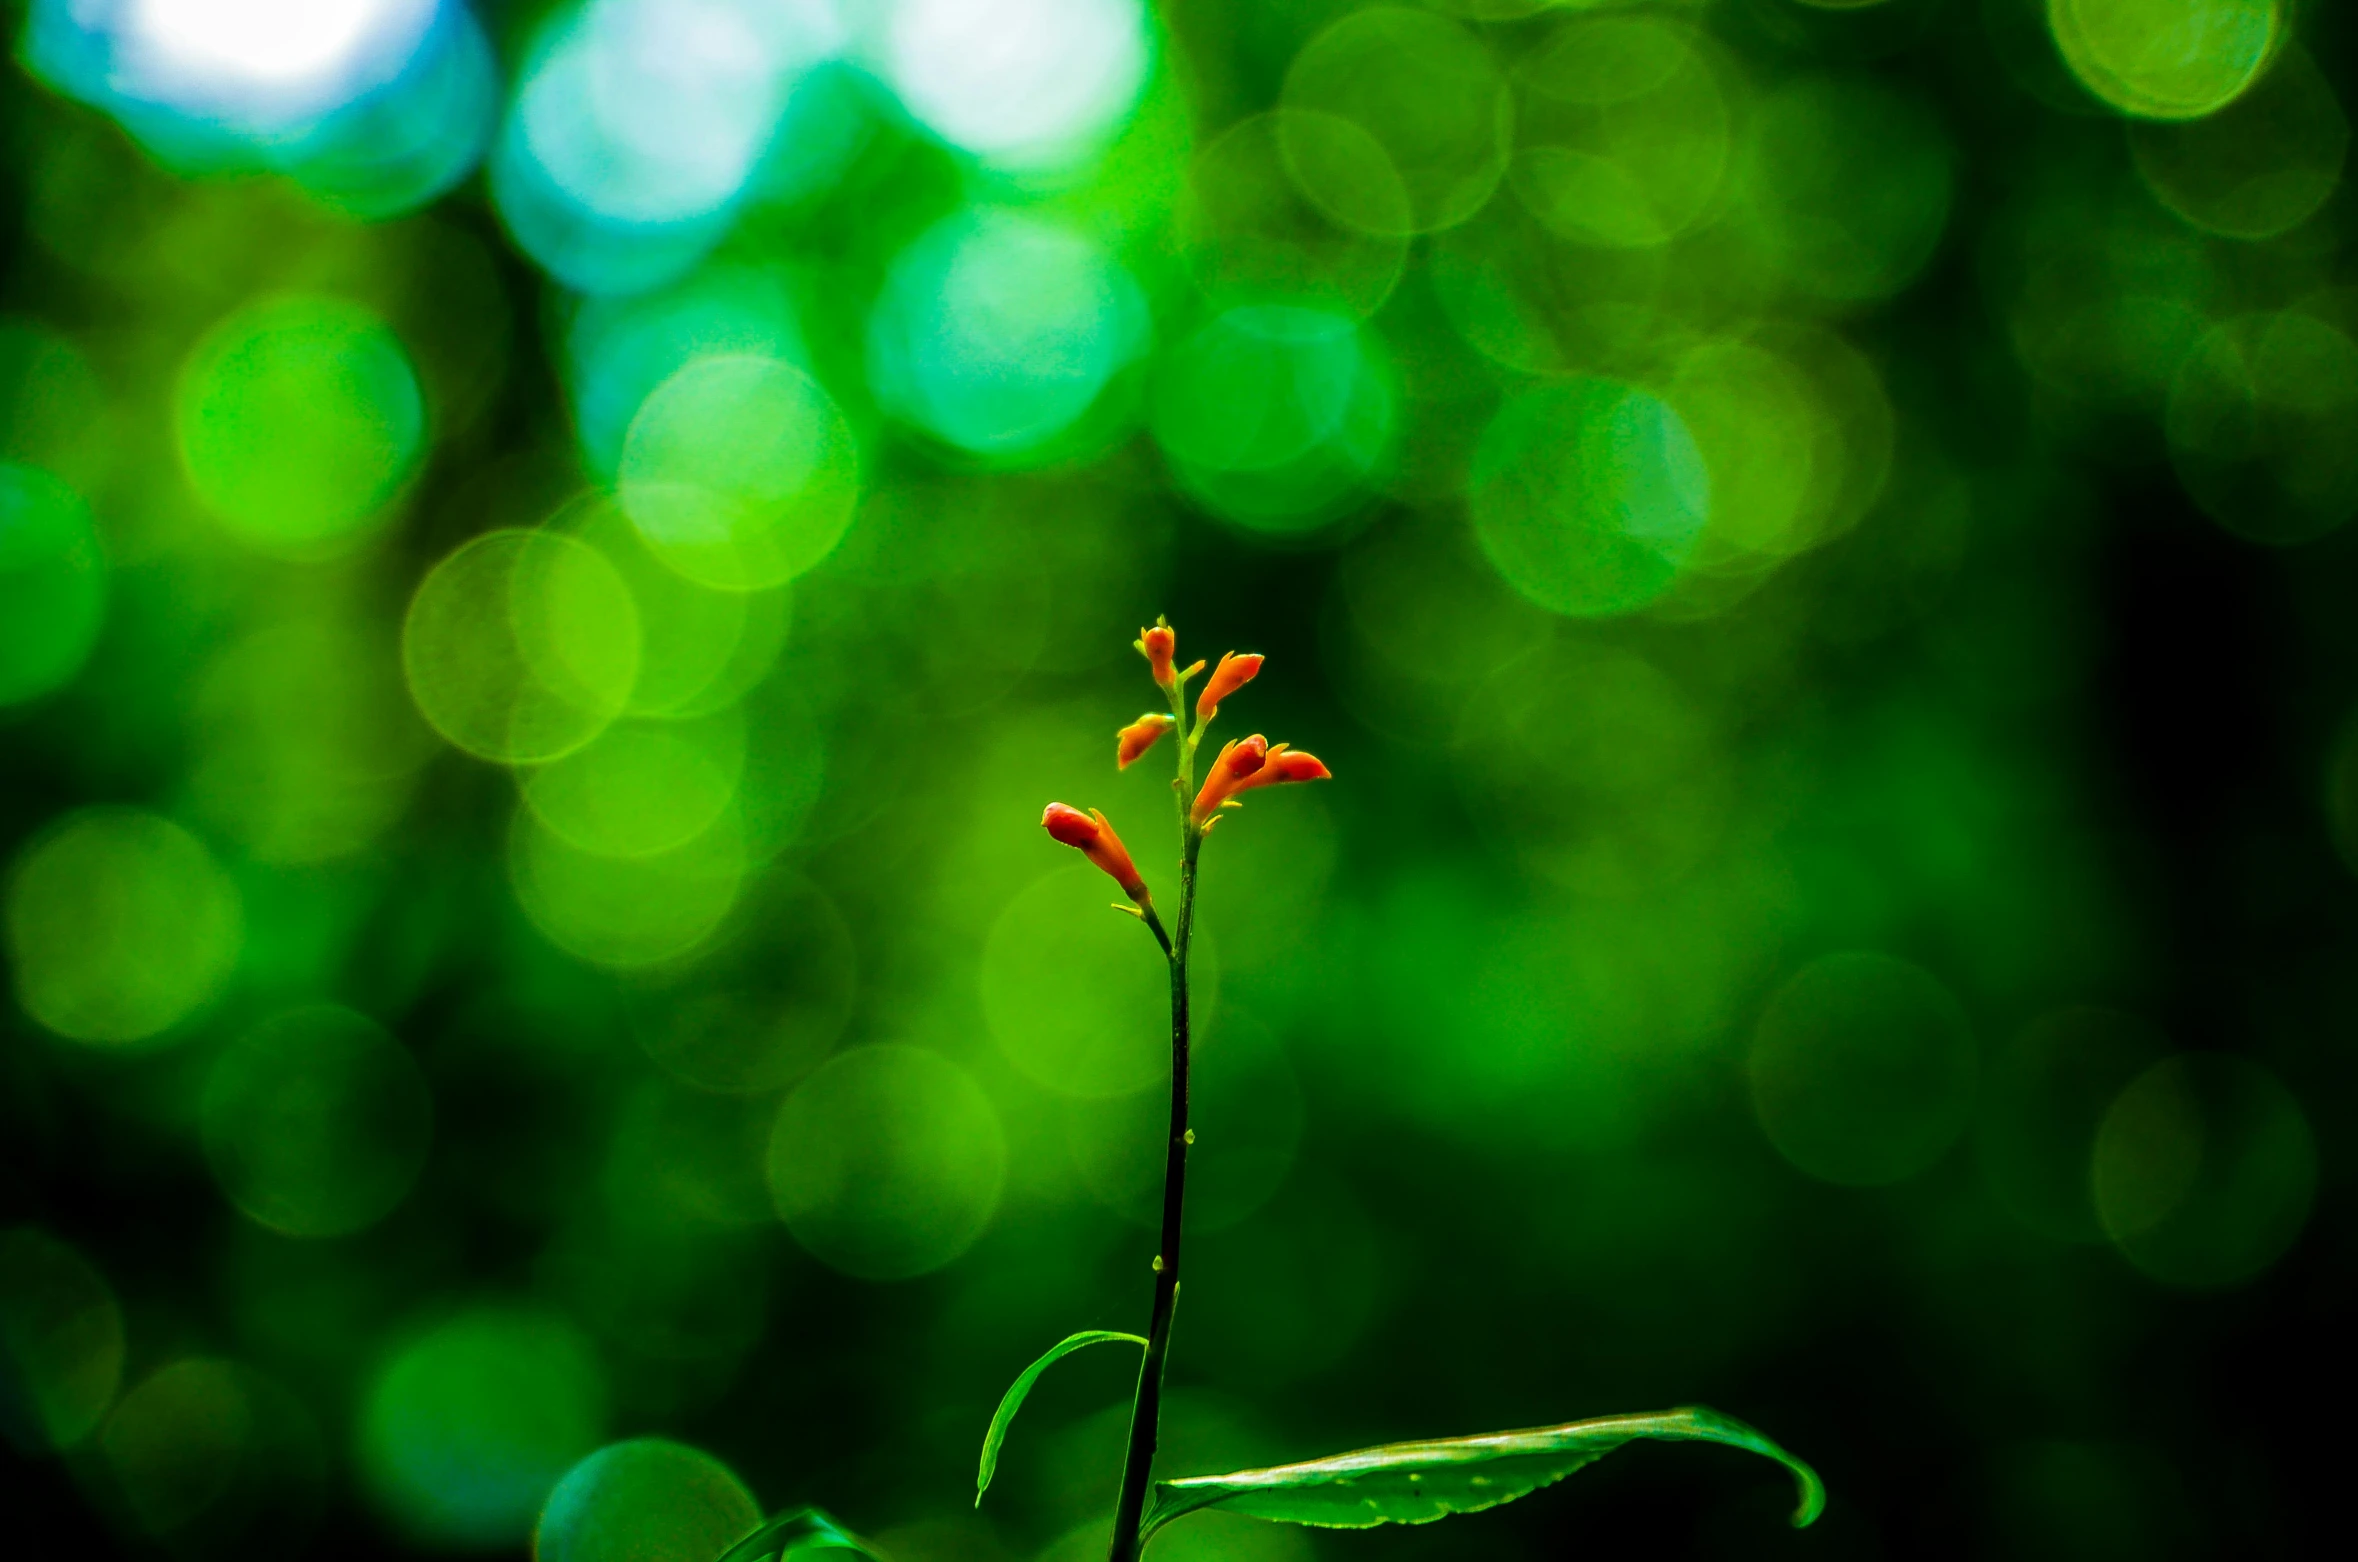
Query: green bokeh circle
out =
(298, 419)
(2262, 165)
(1862, 1070)
(647, 1500)
(52, 583)
(1847, 184)
(1428, 97)
(888, 1162)
(2044, 1096)
(1588, 495)
(316, 1122)
(467, 1428)
(61, 1342)
(2263, 426)
(1277, 417)
(120, 925)
(2204, 1170)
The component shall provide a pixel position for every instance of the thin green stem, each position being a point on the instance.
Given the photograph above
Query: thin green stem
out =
(1147, 1405)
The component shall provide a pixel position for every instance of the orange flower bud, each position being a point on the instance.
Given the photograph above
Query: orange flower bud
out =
(1287, 764)
(1233, 673)
(1096, 841)
(1239, 761)
(1139, 736)
(1157, 645)
(1243, 766)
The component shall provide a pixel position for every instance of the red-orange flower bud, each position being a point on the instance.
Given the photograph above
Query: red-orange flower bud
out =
(1157, 645)
(1139, 736)
(1239, 761)
(1096, 841)
(1287, 764)
(1233, 673)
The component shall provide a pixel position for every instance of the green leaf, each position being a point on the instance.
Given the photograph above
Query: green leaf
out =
(797, 1530)
(1416, 1483)
(1017, 1391)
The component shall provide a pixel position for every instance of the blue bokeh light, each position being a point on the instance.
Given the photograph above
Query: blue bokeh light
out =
(639, 127)
(996, 332)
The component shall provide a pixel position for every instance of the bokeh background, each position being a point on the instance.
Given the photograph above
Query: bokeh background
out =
(551, 555)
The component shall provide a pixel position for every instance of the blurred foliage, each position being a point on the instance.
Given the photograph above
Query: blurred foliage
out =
(551, 554)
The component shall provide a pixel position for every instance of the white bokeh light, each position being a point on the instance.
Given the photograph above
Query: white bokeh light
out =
(259, 40)
(257, 64)
(1020, 83)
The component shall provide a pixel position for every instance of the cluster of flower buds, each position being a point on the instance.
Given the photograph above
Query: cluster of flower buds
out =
(1242, 764)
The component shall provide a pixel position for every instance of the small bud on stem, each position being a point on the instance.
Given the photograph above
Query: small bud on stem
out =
(1095, 839)
(1139, 736)
(1233, 673)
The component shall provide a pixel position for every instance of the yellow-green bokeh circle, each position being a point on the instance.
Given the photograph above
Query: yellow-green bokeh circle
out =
(61, 1342)
(1762, 431)
(52, 583)
(306, 746)
(316, 1122)
(740, 472)
(521, 646)
(700, 649)
(1862, 1069)
(120, 925)
(641, 788)
(2203, 1171)
(1075, 998)
(1623, 133)
(1588, 495)
(1428, 97)
(1252, 232)
(298, 420)
(887, 1162)
(2165, 59)
(469, 1426)
(646, 1500)
(627, 913)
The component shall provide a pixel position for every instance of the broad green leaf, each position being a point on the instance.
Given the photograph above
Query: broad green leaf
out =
(1021, 1388)
(1416, 1483)
(797, 1531)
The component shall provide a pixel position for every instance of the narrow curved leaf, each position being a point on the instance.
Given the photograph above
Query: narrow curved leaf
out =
(1013, 1399)
(1416, 1483)
(797, 1529)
